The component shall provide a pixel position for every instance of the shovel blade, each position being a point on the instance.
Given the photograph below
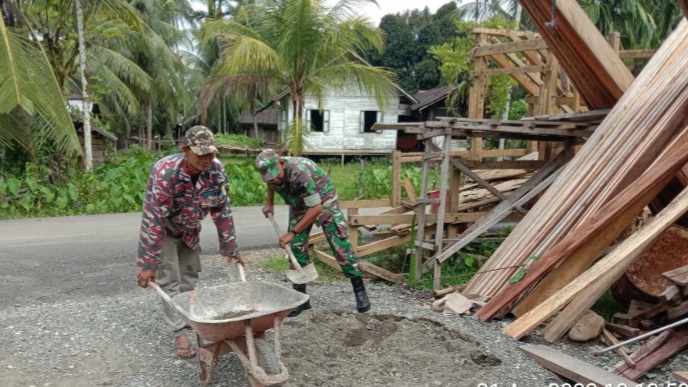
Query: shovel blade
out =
(303, 275)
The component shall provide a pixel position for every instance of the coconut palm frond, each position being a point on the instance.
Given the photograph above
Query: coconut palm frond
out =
(30, 95)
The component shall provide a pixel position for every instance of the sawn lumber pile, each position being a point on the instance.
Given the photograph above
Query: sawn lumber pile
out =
(590, 62)
(602, 187)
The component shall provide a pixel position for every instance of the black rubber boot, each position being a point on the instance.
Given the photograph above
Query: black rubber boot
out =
(362, 303)
(305, 306)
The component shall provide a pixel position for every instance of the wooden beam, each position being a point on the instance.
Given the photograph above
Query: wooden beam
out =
(615, 263)
(629, 205)
(502, 32)
(523, 194)
(369, 268)
(482, 182)
(514, 70)
(593, 66)
(511, 47)
(365, 203)
(629, 54)
(524, 80)
(360, 220)
(572, 368)
(383, 244)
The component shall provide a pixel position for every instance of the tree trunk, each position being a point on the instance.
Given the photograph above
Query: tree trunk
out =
(85, 101)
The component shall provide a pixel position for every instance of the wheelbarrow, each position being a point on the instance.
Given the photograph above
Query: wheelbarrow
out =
(234, 318)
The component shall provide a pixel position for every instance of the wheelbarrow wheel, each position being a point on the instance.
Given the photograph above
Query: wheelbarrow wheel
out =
(266, 357)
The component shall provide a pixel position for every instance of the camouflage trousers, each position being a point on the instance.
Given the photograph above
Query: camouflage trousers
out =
(336, 232)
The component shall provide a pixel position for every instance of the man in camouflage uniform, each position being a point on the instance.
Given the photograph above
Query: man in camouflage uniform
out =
(312, 198)
(182, 189)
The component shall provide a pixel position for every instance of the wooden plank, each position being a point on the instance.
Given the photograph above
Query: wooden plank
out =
(369, 267)
(676, 343)
(628, 54)
(502, 32)
(383, 244)
(578, 244)
(365, 203)
(593, 66)
(678, 276)
(396, 179)
(572, 368)
(677, 311)
(585, 243)
(513, 70)
(316, 237)
(360, 220)
(540, 181)
(502, 131)
(475, 177)
(510, 47)
(615, 263)
(644, 351)
(681, 376)
(623, 330)
(410, 191)
(610, 340)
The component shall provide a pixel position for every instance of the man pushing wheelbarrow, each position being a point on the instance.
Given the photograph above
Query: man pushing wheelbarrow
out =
(312, 198)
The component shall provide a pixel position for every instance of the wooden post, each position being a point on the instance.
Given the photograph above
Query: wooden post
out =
(396, 179)
(353, 230)
(476, 99)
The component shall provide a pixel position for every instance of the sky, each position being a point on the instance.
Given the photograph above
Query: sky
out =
(395, 6)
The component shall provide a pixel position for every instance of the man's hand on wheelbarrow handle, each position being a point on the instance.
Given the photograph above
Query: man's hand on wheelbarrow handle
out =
(144, 277)
(236, 257)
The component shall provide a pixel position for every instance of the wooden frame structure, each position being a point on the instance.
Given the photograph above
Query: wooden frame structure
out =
(526, 57)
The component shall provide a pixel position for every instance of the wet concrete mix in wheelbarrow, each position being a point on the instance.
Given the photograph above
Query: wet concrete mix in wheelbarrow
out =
(121, 340)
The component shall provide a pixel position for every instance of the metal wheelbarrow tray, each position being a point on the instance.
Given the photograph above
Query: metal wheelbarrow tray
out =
(234, 318)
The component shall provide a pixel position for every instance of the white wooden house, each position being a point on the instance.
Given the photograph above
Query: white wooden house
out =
(342, 124)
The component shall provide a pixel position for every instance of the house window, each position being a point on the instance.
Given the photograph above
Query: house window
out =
(318, 121)
(368, 118)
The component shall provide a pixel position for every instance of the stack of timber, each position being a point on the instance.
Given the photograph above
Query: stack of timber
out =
(592, 65)
(632, 155)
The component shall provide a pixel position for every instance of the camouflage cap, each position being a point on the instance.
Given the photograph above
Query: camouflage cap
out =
(267, 164)
(201, 140)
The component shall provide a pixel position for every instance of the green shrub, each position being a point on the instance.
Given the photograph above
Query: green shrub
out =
(239, 140)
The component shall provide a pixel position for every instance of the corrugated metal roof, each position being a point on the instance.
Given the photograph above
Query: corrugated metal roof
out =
(265, 117)
(429, 97)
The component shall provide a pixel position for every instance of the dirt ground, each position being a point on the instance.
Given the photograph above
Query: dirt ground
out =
(332, 348)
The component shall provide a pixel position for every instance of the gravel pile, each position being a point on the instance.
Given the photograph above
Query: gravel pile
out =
(121, 341)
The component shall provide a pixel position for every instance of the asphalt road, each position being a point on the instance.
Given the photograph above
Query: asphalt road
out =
(51, 259)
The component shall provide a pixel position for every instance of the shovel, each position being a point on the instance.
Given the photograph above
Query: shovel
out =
(300, 275)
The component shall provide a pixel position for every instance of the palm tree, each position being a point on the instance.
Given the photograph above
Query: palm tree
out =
(643, 24)
(481, 10)
(300, 46)
(33, 112)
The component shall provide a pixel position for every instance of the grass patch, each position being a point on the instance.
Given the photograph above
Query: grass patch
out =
(280, 264)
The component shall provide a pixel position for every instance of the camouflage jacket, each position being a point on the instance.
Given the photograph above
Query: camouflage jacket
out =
(173, 207)
(303, 178)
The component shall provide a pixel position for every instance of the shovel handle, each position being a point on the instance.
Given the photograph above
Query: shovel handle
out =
(290, 253)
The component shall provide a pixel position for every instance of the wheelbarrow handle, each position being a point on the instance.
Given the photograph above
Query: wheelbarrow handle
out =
(241, 272)
(162, 294)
